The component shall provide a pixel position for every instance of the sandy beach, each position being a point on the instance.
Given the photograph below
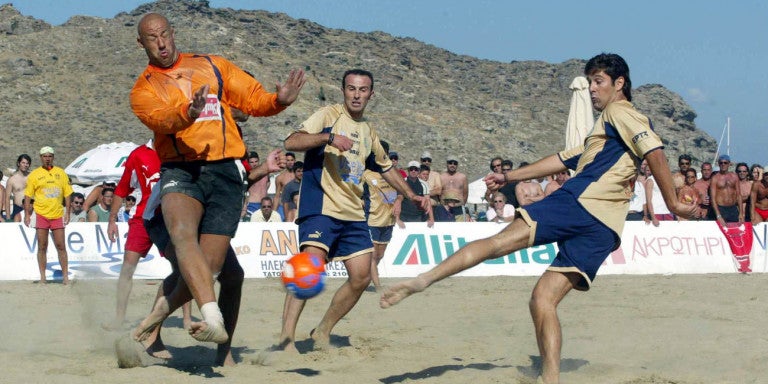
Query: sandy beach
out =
(628, 329)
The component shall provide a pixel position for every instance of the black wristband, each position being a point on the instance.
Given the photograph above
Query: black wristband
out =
(331, 136)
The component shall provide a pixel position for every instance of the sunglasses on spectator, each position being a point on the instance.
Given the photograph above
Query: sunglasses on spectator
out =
(393, 157)
(266, 206)
(453, 162)
(742, 171)
(426, 160)
(413, 168)
(685, 163)
(723, 162)
(496, 165)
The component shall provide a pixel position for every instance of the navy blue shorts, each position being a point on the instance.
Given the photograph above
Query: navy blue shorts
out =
(381, 235)
(583, 241)
(341, 239)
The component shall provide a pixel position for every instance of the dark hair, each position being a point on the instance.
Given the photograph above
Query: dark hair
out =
(490, 165)
(359, 72)
(614, 66)
(423, 168)
(130, 198)
(507, 162)
(77, 195)
(684, 156)
(267, 198)
(745, 165)
(107, 189)
(385, 145)
(253, 154)
(298, 165)
(290, 154)
(523, 164)
(691, 169)
(23, 156)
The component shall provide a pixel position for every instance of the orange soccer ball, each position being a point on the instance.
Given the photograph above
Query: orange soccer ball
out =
(304, 275)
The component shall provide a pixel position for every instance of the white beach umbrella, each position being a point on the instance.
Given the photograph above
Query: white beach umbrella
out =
(103, 163)
(580, 117)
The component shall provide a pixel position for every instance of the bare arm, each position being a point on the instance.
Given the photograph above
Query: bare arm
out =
(660, 169)
(114, 210)
(753, 199)
(302, 141)
(275, 161)
(546, 166)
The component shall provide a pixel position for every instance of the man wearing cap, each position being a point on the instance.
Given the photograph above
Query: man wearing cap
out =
(452, 179)
(408, 211)
(49, 187)
(395, 158)
(724, 194)
(435, 185)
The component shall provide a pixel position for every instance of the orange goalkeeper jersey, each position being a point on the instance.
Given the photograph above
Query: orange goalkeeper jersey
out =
(161, 98)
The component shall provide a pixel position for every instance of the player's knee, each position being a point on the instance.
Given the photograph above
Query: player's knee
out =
(360, 281)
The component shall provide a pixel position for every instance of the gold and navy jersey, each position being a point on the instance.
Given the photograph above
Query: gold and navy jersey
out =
(382, 198)
(607, 161)
(333, 180)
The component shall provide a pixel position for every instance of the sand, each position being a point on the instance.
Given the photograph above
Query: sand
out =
(628, 329)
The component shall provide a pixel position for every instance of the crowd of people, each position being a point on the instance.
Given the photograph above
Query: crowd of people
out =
(198, 181)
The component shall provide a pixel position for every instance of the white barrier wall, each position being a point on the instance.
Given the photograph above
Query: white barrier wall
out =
(671, 248)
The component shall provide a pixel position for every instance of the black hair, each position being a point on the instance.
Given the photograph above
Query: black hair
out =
(684, 156)
(23, 156)
(130, 198)
(253, 154)
(359, 72)
(298, 165)
(614, 66)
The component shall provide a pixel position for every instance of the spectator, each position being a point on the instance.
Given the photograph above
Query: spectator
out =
(655, 207)
(282, 179)
(745, 188)
(509, 188)
(557, 181)
(395, 158)
(266, 213)
(289, 206)
(409, 211)
(128, 209)
(637, 208)
(77, 214)
(14, 188)
(702, 185)
(100, 212)
(256, 189)
(495, 167)
(756, 171)
(678, 178)
(452, 179)
(724, 192)
(687, 194)
(500, 211)
(442, 212)
(95, 195)
(434, 182)
(528, 192)
(48, 186)
(760, 198)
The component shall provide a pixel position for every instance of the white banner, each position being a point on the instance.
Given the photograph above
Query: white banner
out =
(262, 248)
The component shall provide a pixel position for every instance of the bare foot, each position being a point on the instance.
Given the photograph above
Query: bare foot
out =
(285, 345)
(228, 361)
(321, 341)
(400, 291)
(204, 331)
(157, 349)
(153, 320)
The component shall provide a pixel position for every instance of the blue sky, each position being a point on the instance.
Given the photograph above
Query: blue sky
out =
(711, 53)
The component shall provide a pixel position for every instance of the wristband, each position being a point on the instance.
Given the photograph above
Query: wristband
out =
(331, 136)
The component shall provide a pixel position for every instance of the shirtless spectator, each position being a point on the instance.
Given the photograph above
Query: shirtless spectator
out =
(100, 212)
(528, 192)
(434, 182)
(557, 182)
(509, 189)
(77, 213)
(745, 188)
(256, 190)
(759, 197)
(287, 196)
(724, 193)
(454, 180)
(702, 185)
(678, 178)
(687, 194)
(282, 179)
(14, 187)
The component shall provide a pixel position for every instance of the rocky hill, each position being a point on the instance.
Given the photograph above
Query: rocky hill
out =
(67, 86)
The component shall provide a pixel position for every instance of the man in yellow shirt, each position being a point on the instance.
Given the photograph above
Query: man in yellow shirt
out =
(48, 186)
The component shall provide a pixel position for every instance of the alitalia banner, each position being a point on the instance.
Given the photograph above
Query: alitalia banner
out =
(262, 248)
